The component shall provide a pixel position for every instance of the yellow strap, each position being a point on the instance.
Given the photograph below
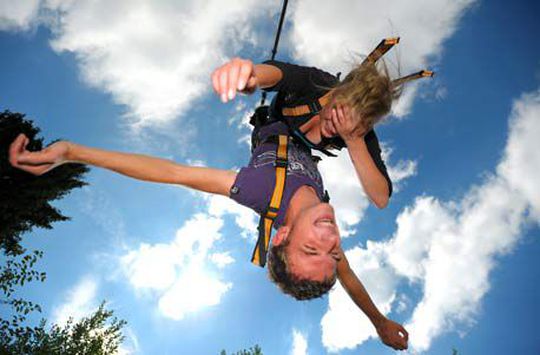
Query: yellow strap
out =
(414, 76)
(304, 109)
(267, 220)
(384, 46)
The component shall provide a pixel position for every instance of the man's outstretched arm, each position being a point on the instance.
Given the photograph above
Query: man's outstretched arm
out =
(137, 166)
(388, 330)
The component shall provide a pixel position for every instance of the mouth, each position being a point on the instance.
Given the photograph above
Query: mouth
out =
(326, 220)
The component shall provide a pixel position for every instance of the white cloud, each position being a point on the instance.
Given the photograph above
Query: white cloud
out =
(194, 290)
(448, 249)
(154, 57)
(346, 194)
(344, 325)
(244, 217)
(18, 15)
(300, 345)
(79, 302)
(221, 259)
(323, 38)
(179, 272)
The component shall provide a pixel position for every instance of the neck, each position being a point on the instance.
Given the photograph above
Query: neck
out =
(312, 129)
(303, 198)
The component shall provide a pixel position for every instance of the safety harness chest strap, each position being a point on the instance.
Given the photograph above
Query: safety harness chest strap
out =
(268, 217)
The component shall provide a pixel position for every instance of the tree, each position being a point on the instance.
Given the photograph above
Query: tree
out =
(98, 334)
(256, 350)
(25, 198)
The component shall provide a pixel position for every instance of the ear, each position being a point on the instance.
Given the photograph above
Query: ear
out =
(281, 235)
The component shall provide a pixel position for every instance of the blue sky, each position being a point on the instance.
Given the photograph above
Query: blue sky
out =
(453, 256)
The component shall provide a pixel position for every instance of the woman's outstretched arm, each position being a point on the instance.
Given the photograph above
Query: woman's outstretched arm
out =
(137, 166)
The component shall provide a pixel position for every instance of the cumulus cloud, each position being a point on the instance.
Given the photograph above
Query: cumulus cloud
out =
(448, 249)
(299, 346)
(180, 272)
(18, 15)
(244, 217)
(154, 57)
(346, 194)
(79, 302)
(322, 38)
(344, 325)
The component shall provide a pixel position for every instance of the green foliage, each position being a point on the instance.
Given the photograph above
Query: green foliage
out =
(256, 350)
(16, 272)
(25, 198)
(98, 334)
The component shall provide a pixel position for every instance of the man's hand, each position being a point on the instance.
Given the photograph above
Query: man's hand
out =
(235, 75)
(346, 124)
(37, 163)
(393, 334)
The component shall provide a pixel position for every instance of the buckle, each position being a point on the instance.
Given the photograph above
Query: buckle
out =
(314, 106)
(271, 212)
(280, 162)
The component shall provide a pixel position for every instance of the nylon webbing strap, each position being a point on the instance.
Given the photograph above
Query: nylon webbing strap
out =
(411, 77)
(302, 110)
(267, 219)
(384, 46)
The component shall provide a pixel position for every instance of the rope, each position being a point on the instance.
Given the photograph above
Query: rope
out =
(276, 41)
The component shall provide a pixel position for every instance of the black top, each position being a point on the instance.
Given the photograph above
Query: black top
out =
(300, 85)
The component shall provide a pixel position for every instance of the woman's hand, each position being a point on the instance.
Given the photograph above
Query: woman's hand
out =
(346, 125)
(37, 163)
(392, 334)
(235, 75)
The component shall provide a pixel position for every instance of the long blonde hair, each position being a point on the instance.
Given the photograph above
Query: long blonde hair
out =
(369, 92)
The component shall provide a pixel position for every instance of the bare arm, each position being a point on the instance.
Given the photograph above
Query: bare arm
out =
(137, 166)
(389, 331)
(241, 75)
(372, 180)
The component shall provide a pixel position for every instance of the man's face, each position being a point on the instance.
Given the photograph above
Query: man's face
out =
(314, 244)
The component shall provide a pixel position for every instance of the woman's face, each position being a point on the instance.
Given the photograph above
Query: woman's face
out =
(327, 127)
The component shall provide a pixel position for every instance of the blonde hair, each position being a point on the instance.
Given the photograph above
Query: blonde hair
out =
(369, 92)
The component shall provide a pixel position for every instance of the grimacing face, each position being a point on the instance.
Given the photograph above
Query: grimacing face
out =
(327, 126)
(314, 243)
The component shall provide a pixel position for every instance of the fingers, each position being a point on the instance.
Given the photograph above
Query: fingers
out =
(234, 72)
(223, 84)
(16, 147)
(405, 333)
(236, 75)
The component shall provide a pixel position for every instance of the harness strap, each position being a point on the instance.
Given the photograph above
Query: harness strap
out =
(384, 46)
(414, 76)
(311, 108)
(268, 217)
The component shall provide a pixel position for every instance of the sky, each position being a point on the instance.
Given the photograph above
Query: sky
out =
(453, 256)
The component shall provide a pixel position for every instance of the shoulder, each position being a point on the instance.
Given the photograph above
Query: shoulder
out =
(298, 77)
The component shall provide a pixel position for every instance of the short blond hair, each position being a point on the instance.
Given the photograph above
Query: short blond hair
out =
(369, 92)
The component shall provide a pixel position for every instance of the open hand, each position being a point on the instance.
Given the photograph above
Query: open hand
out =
(393, 334)
(237, 75)
(37, 163)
